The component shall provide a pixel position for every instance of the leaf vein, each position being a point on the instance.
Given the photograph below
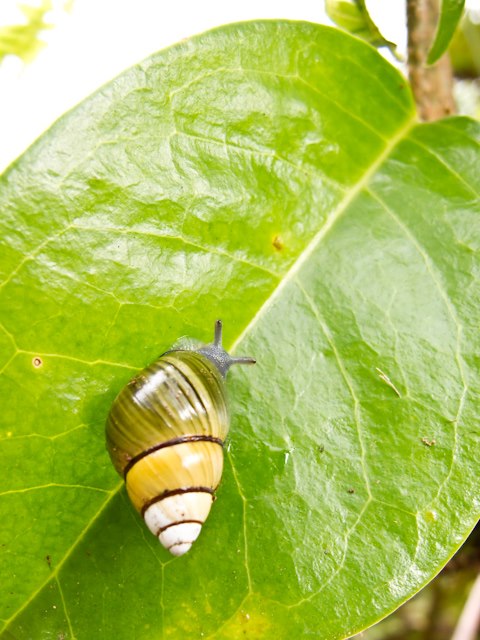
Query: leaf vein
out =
(453, 315)
(64, 604)
(57, 568)
(228, 144)
(326, 97)
(33, 254)
(335, 573)
(91, 363)
(190, 243)
(244, 518)
(445, 164)
(343, 371)
(55, 485)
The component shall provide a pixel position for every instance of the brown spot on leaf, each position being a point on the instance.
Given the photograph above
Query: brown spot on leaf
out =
(37, 362)
(277, 243)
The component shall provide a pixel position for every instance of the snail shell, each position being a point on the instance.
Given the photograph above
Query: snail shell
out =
(165, 434)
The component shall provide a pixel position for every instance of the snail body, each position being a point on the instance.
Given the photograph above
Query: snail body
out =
(165, 434)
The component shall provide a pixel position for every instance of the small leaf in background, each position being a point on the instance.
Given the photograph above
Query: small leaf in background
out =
(464, 48)
(450, 14)
(24, 40)
(353, 16)
(272, 174)
(464, 52)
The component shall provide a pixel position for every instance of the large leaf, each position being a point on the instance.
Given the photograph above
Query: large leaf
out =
(271, 174)
(450, 14)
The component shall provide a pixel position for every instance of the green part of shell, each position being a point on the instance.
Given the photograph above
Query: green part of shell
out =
(182, 393)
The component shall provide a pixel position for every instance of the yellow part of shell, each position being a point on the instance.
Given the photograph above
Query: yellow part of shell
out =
(184, 466)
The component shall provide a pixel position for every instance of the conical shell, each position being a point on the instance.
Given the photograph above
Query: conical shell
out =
(165, 433)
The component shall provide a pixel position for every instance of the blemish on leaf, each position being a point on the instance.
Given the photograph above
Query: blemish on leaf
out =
(277, 242)
(431, 516)
(254, 624)
(383, 376)
(48, 560)
(427, 442)
(350, 490)
(37, 362)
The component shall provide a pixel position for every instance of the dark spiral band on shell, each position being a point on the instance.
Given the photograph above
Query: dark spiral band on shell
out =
(176, 492)
(170, 443)
(177, 522)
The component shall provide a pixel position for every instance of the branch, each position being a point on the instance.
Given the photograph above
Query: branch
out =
(432, 85)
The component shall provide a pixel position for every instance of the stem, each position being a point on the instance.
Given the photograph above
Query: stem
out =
(432, 86)
(469, 621)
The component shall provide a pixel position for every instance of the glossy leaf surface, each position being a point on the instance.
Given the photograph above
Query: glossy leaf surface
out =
(271, 174)
(450, 14)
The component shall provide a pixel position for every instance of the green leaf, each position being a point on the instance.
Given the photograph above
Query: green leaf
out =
(450, 14)
(464, 49)
(353, 16)
(271, 174)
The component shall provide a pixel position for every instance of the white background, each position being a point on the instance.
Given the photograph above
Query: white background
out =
(100, 38)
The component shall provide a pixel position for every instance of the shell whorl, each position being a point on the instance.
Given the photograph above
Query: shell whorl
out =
(177, 520)
(165, 434)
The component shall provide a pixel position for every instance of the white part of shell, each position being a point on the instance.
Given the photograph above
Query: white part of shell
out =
(177, 512)
(180, 549)
(194, 505)
(180, 534)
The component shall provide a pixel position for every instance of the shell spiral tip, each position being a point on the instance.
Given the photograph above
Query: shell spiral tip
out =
(181, 548)
(179, 538)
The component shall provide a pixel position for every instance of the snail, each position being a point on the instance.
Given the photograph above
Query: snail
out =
(165, 434)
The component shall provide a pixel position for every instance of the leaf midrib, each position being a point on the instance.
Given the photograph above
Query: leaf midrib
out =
(324, 230)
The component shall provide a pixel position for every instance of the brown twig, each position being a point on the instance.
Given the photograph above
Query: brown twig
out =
(432, 85)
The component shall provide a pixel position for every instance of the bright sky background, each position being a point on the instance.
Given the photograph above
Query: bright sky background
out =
(101, 38)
